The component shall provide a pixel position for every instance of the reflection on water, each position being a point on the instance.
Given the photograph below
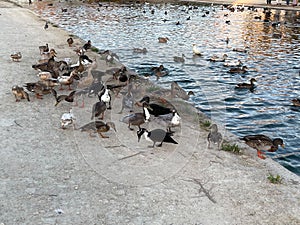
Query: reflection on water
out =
(271, 42)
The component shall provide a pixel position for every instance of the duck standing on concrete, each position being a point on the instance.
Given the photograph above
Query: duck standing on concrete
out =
(214, 136)
(137, 119)
(60, 98)
(19, 92)
(169, 120)
(16, 57)
(67, 119)
(262, 142)
(39, 88)
(128, 99)
(70, 41)
(98, 109)
(99, 127)
(156, 135)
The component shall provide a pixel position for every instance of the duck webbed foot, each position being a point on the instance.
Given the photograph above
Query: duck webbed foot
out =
(260, 154)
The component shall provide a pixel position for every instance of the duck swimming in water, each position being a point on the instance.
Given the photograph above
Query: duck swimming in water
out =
(262, 142)
(296, 101)
(246, 85)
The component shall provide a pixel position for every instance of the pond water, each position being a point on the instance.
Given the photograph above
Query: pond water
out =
(272, 58)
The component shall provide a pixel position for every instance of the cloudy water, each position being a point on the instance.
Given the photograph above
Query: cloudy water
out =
(272, 57)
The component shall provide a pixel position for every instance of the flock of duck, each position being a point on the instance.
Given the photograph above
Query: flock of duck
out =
(54, 75)
(60, 73)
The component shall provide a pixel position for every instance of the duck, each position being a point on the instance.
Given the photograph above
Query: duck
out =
(128, 99)
(67, 119)
(156, 135)
(60, 98)
(163, 39)
(179, 59)
(16, 57)
(87, 45)
(19, 93)
(39, 88)
(105, 96)
(296, 101)
(196, 50)
(140, 50)
(67, 80)
(99, 127)
(45, 56)
(214, 136)
(246, 85)
(262, 142)
(242, 69)
(233, 63)
(177, 91)
(70, 41)
(216, 58)
(159, 71)
(44, 48)
(243, 50)
(98, 109)
(155, 109)
(137, 119)
(46, 26)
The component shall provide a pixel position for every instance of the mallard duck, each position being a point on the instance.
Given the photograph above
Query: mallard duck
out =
(19, 93)
(98, 109)
(44, 48)
(60, 98)
(44, 75)
(263, 143)
(179, 59)
(46, 25)
(137, 119)
(70, 41)
(156, 135)
(296, 101)
(242, 69)
(67, 119)
(99, 127)
(233, 63)
(216, 58)
(163, 39)
(47, 55)
(67, 80)
(177, 91)
(87, 45)
(247, 86)
(16, 57)
(214, 136)
(243, 50)
(140, 50)
(196, 50)
(128, 99)
(155, 109)
(39, 88)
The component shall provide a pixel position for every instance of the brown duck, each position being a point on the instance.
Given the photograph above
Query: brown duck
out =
(19, 93)
(60, 98)
(263, 143)
(99, 127)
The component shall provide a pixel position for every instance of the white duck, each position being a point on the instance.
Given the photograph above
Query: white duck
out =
(196, 50)
(67, 119)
